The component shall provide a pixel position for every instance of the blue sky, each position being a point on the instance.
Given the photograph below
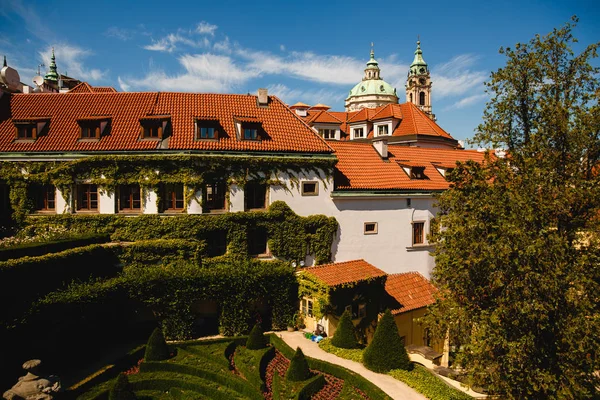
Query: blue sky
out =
(313, 52)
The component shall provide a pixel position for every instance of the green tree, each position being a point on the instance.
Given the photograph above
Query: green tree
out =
(517, 258)
(157, 348)
(386, 351)
(345, 336)
(256, 340)
(298, 369)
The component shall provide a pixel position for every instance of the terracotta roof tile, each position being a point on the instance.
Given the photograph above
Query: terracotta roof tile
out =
(410, 291)
(325, 117)
(299, 105)
(361, 168)
(341, 273)
(285, 131)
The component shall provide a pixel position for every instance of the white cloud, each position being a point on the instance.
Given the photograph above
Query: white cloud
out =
(324, 96)
(119, 33)
(69, 61)
(223, 46)
(455, 77)
(467, 101)
(169, 43)
(123, 85)
(204, 28)
(202, 73)
(281, 47)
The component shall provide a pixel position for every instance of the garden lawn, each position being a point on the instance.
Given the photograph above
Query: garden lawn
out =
(420, 378)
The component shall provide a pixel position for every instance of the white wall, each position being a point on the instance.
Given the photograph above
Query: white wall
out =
(149, 203)
(391, 248)
(193, 206)
(236, 198)
(62, 203)
(106, 201)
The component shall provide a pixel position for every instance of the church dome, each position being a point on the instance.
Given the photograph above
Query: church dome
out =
(372, 86)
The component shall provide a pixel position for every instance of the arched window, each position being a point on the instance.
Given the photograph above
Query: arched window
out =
(411, 99)
(422, 98)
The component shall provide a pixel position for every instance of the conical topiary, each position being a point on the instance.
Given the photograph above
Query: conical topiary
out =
(121, 390)
(298, 370)
(344, 336)
(386, 351)
(256, 339)
(156, 348)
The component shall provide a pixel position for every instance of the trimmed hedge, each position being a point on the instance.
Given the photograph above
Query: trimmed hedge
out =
(386, 351)
(250, 362)
(165, 383)
(314, 384)
(298, 369)
(374, 392)
(55, 246)
(426, 383)
(229, 381)
(121, 390)
(256, 339)
(349, 354)
(344, 336)
(156, 348)
(161, 251)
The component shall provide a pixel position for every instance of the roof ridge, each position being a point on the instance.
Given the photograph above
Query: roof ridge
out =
(339, 262)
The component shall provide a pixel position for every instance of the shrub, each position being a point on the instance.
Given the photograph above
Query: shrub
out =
(256, 339)
(157, 349)
(349, 354)
(35, 249)
(122, 389)
(425, 382)
(298, 370)
(386, 351)
(344, 336)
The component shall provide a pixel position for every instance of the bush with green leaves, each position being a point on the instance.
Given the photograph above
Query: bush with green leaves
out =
(386, 351)
(298, 369)
(256, 339)
(157, 348)
(121, 390)
(345, 336)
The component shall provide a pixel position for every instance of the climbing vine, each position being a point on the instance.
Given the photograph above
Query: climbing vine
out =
(149, 171)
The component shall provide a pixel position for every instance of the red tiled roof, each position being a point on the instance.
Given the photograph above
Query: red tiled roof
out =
(325, 117)
(104, 89)
(285, 132)
(412, 121)
(410, 290)
(341, 273)
(299, 105)
(361, 168)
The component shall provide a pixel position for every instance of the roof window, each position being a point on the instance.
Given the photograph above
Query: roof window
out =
(154, 127)
(93, 128)
(207, 129)
(30, 129)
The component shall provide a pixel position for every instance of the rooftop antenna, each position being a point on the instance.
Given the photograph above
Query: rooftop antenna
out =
(41, 65)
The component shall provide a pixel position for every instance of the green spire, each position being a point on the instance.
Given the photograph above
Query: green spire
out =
(418, 66)
(53, 74)
(372, 63)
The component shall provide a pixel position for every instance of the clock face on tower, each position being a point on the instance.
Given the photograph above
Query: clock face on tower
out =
(422, 81)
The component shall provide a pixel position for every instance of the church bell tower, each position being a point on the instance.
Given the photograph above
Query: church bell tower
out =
(418, 83)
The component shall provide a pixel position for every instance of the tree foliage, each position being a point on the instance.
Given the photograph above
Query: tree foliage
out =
(517, 258)
(121, 389)
(298, 369)
(256, 339)
(386, 351)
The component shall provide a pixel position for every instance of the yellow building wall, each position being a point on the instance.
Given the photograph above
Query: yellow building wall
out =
(413, 332)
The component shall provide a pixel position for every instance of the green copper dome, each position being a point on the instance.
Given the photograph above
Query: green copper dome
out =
(52, 75)
(372, 86)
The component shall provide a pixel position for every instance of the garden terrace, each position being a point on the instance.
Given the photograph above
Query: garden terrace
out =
(225, 369)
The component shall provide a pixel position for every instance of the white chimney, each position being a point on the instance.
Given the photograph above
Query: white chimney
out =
(263, 97)
(381, 146)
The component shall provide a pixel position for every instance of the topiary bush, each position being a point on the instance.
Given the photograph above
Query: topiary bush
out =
(121, 390)
(344, 336)
(298, 370)
(157, 349)
(386, 351)
(256, 339)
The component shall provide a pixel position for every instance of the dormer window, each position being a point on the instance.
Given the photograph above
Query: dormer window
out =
(417, 173)
(26, 131)
(93, 127)
(207, 129)
(29, 130)
(154, 127)
(382, 130)
(250, 133)
(327, 133)
(358, 133)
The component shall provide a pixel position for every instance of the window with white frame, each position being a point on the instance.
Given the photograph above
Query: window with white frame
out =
(327, 133)
(358, 133)
(382, 130)
(307, 307)
(370, 228)
(310, 188)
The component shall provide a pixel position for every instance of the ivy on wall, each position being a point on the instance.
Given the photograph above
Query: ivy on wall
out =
(148, 171)
(290, 237)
